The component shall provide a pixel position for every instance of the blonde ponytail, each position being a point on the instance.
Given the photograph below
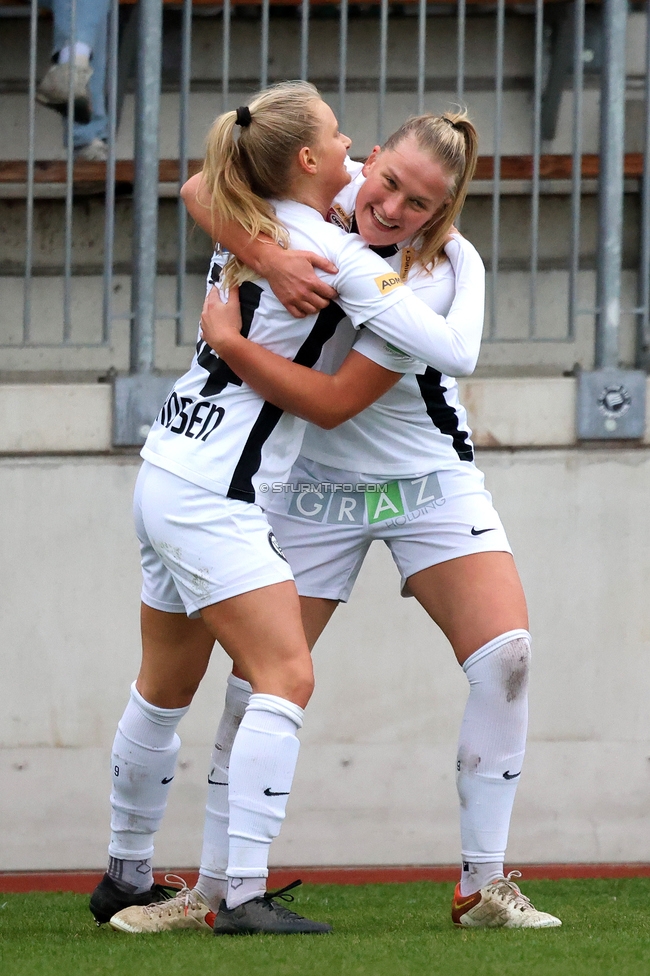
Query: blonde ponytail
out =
(452, 141)
(247, 164)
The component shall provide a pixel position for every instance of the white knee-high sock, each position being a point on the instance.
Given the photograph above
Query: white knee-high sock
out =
(213, 884)
(143, 760)
(490, 753)
(262, 764)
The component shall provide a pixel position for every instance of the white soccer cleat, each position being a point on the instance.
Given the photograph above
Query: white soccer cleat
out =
(186, 910)
(499, 905)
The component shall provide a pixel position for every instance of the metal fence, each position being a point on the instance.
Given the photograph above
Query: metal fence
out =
(532, 75)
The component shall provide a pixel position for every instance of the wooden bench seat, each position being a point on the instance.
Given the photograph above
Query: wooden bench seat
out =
(552, 167)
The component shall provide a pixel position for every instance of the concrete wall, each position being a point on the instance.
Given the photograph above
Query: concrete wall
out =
(375, 782)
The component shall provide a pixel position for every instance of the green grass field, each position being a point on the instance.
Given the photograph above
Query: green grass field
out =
(380, 930)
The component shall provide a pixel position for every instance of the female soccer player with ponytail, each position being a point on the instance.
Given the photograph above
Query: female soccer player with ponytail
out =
(212, 569)
(434, 513)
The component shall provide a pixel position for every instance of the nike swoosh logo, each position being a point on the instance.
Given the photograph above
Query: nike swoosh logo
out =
(167, 780)
(509, 775)
(215, 782)
(269, 792)
(481, 531)
(468, 901)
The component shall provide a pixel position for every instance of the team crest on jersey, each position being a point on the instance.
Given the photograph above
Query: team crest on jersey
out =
(276, 547)
(388, 282)
(336, 215)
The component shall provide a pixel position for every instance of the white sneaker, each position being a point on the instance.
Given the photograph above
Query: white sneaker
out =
(499, 905)
(53, 89)
(95, 152)
(186, 910)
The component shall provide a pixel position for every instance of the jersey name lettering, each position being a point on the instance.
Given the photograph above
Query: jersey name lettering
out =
(197, 421)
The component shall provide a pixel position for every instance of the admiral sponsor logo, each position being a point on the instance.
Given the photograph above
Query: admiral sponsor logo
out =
(388, 282)
(193, 418)
(336, 215)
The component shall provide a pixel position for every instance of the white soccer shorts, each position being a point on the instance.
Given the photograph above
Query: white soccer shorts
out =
(325, 520)
(198, 548)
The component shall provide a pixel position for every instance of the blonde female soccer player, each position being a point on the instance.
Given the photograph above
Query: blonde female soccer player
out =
(212, 568)
(433, 511)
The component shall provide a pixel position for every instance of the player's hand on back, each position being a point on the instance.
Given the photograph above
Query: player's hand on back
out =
(294, 282)
(221, 321)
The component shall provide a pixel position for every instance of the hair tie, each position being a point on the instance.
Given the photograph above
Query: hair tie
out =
(449, 122)
(243, 116)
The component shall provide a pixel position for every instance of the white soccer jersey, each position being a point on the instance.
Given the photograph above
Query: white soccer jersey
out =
(214, 430)
(419, 425)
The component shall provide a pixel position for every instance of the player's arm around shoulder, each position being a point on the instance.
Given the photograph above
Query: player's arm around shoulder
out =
(290, 273)
(322, 399)
(465, 260)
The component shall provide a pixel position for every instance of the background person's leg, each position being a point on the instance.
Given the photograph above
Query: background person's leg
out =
(96, 131)
(84, 55)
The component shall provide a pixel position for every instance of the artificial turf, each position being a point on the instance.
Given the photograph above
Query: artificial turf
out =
(379, 930)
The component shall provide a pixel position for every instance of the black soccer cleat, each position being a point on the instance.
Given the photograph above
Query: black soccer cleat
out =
(107, 899)
(263, 914)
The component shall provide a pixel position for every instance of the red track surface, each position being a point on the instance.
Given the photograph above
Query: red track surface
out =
(83, 882)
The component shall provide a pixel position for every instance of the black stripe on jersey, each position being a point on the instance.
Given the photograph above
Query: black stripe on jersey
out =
(443, 416)
(383, 252)
(241, 486)
(220, 373)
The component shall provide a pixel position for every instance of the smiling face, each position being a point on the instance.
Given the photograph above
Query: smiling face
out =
(404, 189)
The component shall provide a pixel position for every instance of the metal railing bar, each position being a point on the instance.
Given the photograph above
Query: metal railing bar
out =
(145, 192)
(304, 39)
(31, 155)
(496, 198)
(643, 298)
(610, 184)
(343, 60)
(225, 56)
(109, 196)
(460, 51)
(183, 153)
(264, 45)
(422, 53)
(519, 174)
(69, 182)
(537, 150)
(383, 47)
(576, 168)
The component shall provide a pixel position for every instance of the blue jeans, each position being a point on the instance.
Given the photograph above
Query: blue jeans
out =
(91, 23)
